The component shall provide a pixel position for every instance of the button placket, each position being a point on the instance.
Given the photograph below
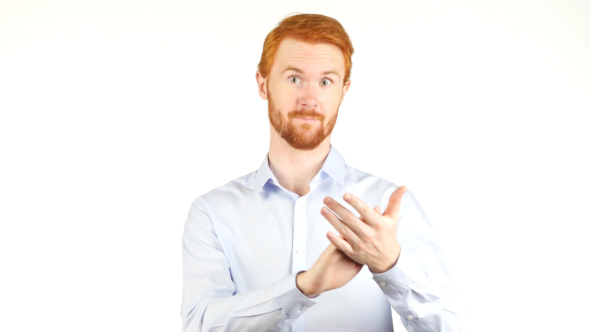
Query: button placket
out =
(299, 251)
(299, 235)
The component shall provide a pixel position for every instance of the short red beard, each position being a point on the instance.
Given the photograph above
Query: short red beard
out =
(300, 136)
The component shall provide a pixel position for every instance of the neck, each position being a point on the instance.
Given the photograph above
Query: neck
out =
(293, 168)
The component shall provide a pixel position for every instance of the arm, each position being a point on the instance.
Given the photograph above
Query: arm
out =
(407, 262)
(419, 287)
(209, 302)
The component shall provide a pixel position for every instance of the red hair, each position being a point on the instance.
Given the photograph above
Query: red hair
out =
(309, 28)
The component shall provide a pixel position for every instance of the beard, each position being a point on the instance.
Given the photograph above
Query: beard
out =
(300, 136)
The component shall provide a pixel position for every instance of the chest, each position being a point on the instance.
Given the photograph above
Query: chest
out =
(266, 240)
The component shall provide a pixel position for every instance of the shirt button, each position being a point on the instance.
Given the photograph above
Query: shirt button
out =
(382, 284)
(303, 308)
(298, 251)
(410, 317)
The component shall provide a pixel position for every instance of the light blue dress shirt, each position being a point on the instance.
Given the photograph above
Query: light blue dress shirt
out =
(244, 243)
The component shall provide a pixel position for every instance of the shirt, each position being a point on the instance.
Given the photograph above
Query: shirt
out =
(244, 243)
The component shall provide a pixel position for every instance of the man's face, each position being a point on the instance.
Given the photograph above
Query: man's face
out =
(304, 91)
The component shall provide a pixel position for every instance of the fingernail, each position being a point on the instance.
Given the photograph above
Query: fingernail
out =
(328, 200)
(347, 197)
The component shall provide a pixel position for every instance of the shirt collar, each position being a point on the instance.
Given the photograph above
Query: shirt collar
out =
(333, 166)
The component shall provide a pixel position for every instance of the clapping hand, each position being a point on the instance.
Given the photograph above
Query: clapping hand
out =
(370, 239)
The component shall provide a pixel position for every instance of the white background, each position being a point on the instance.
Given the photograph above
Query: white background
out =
(115, 115)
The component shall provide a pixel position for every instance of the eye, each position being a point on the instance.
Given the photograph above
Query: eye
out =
(294, 79)
(326, 82)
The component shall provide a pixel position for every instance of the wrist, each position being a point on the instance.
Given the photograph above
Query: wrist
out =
(305, 286)
(387, 265)
(380, 269)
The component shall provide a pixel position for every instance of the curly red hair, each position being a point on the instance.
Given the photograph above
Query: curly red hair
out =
(309, 28)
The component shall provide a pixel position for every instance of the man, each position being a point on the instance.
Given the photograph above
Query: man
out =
(262, 253)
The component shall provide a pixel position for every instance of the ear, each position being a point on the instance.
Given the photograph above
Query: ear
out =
(262, 86)
(345, 90)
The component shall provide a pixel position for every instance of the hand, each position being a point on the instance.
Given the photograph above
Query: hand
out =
(370, 240)
(332, 270)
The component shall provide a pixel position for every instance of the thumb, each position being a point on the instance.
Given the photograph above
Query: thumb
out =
(395, 201)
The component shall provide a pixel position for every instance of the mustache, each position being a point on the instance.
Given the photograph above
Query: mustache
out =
(306, 114)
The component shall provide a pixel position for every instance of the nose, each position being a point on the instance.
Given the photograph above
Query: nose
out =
(308, 99)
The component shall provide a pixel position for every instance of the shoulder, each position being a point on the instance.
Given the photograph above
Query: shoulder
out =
(374, 188)
(232, 192)
(356, 177)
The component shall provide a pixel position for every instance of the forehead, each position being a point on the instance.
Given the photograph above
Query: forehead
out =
(293, 52)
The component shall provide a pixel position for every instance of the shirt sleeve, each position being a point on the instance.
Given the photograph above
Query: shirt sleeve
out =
(419, 287)
(209, 299)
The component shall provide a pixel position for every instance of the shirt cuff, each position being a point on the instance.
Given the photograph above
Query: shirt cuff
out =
(402, 274)
(290, 298)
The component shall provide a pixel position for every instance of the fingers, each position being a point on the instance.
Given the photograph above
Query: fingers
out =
(395, 201)
(340, 243)
(340, 226)
(348, 218)
(377, 209)
(367, 214)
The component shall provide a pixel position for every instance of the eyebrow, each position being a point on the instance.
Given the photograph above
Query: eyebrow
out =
(301, 71)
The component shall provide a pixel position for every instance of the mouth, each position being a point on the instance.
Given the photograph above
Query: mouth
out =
(307, 119)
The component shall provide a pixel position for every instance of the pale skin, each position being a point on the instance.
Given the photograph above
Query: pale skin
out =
(296, 168)
(310, 77)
